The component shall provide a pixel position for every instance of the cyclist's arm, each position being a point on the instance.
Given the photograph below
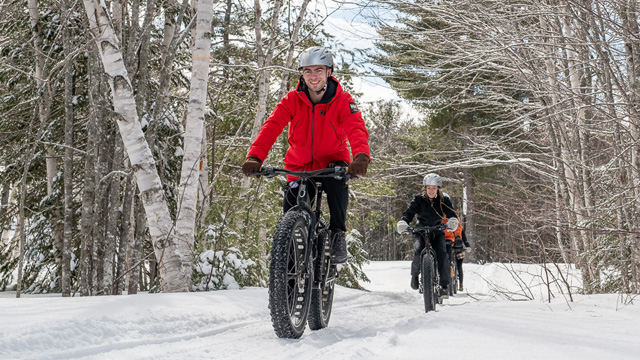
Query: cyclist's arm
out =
(448, 208)
(410, 212)
(354, 127)
(271, 129)
(464, 239)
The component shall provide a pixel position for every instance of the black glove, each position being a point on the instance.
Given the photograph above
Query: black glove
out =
(251, 165)
(358, 166)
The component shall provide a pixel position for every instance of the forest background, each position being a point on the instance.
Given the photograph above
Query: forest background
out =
(124, 124)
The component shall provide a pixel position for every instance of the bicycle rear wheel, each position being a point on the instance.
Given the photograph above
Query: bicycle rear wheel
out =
(290, 280)
(325, 278)
(428, 283)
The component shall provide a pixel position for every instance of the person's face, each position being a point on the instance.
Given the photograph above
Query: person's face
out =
(316, 76)
(432, 191)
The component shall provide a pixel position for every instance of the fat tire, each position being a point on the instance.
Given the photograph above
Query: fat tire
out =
(428, 283)
(322, 296)
(289, 283)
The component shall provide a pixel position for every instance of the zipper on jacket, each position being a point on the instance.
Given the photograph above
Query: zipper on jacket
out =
(313, 120)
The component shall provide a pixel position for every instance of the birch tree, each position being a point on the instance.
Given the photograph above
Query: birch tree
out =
(148, 181)
(194, 129)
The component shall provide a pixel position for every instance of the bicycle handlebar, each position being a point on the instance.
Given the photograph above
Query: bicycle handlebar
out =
(335, 172)
(426, 229)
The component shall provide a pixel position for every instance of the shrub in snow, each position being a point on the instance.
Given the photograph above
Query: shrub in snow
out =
(351, 272)
(223, 269)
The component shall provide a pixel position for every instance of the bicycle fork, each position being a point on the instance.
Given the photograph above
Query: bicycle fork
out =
(303, 203)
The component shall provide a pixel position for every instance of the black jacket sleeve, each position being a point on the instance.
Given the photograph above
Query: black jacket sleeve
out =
(447, 207)
(464, 239)
(411, 211)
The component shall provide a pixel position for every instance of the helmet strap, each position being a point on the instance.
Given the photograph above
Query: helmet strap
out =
(323, 89)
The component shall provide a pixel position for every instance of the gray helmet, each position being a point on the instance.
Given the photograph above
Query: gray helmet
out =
(316, 55)
(432, 179)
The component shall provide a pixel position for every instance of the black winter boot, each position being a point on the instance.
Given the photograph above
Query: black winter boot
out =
(415, 282)
(339, 250)
(444, 293)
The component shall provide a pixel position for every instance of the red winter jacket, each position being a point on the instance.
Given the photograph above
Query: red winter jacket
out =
(318, 133)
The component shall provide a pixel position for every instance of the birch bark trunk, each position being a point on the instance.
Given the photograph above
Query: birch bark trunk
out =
(185, 221)
(158, 217)
(582, 199)
(559, 146)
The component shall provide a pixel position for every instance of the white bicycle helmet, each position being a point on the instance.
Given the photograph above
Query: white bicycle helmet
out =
(432, 179)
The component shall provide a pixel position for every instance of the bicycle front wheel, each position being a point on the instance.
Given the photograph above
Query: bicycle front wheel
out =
(428, 283)
(290, 280)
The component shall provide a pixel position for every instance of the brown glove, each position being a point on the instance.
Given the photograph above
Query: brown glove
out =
(251, 165)
(358, 166)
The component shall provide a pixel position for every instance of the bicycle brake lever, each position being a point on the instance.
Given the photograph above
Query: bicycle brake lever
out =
(347, 174)
(338, 175)
(268, 171)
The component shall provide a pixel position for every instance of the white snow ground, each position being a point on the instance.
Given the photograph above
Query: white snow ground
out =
(385, 322)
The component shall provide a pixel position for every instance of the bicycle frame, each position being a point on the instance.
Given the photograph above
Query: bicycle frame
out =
(303, 202)
(428, 248)
(430, 290)
(426, 232)
(298, 284)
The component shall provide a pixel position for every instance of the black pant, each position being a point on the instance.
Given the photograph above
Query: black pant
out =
(458, 262)
(439, 246)
(337, 198)
(459, 266)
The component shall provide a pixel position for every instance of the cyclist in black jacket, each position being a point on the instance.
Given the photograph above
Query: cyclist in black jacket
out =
(430, 207)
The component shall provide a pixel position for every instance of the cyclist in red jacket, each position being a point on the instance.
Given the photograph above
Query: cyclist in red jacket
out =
(321, 117)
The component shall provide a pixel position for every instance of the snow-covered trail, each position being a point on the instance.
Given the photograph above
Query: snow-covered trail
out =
(385, 322)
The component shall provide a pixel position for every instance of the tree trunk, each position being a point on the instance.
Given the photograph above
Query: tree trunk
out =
(284, 82)
(264, 60)
(113, 217)
(629, 13)
(136, 279)
(152, 194)
(186, 218)
(99, 251)
(127, 257)
(90, 176)
(68, 157)
(204, 188)
(581, 199)
(44, 111)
